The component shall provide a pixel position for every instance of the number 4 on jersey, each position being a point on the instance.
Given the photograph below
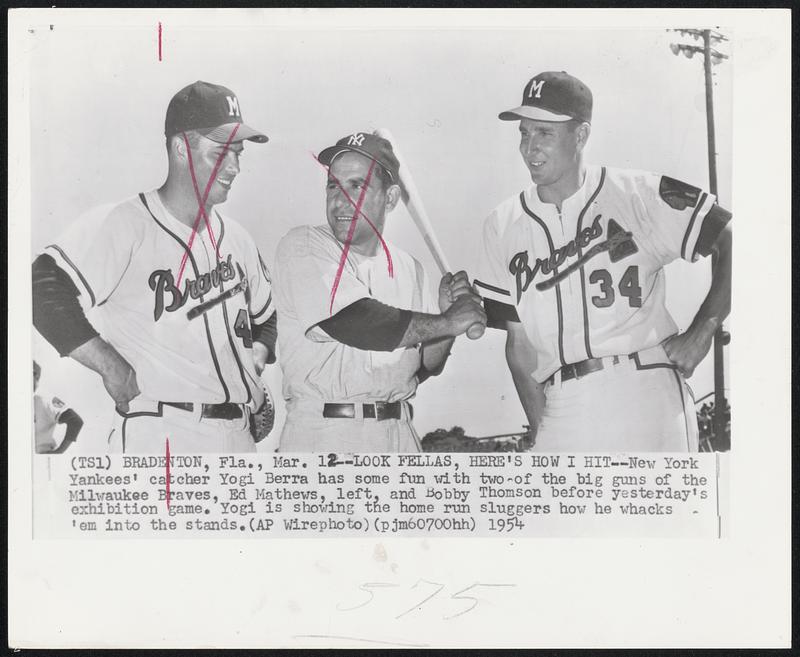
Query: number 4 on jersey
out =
(242, 328)
(628, 287)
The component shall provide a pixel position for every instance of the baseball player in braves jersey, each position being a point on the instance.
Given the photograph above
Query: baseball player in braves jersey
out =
(573, 268)
(358, 326)
(141, 265)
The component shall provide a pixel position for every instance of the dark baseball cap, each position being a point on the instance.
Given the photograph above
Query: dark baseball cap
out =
(553, 96)
(375, 148)
(210, 109)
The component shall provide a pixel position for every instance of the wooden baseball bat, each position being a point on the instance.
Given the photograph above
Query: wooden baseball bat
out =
(416, 209)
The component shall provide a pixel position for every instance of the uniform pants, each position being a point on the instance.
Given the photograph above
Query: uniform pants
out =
(147, 425)
(638, 405)
(306, 430)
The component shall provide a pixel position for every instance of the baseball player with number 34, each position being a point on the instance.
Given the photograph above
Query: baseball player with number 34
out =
(573, 269)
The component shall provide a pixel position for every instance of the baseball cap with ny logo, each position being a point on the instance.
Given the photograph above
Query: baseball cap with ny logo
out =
(210, 109)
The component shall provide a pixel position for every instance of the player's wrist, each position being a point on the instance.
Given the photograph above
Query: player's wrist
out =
(705, 328)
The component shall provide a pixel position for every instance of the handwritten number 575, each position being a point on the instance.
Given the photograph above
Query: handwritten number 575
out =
(458, 596)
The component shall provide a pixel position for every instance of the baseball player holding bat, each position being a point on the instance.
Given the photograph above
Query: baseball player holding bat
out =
(574, 270)
(183, 296)
(358, 326)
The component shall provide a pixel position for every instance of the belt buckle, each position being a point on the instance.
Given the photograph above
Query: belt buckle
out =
(381, 412)
(569, 372)
(371, 411)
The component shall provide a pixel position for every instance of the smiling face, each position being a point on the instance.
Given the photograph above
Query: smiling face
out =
(552, 152)
(205, 154)
(349, 172)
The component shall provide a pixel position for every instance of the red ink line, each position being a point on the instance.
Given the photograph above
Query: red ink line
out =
(358, 212)
(159, 41)
(200, 202)
(350, 232)
(361, 212)
(201, 212)
(167, 473)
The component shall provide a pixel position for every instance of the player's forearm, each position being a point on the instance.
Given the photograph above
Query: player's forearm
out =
(101, 357)
(531, 395)
(435, 354)
(424, 328)
(717, 304)
(521, 360)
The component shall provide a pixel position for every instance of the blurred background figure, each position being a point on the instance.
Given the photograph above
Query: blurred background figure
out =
(50, 414)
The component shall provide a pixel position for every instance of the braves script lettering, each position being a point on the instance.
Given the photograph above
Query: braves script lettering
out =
(162, 282)
(619, 243)
(524, 274)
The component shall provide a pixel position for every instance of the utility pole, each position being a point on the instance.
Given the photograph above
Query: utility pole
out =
(710, 57)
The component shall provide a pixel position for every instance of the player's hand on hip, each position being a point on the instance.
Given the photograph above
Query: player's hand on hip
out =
(260, 356)
(121, 385)
(465, 312)
(451, 287)
(687, 349)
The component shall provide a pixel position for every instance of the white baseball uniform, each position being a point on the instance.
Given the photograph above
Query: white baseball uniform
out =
(317, 369)
(125, 261)
(588, 283)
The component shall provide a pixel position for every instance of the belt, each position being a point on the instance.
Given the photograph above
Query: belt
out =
(378, 410)
(584, 367)
(224, 411)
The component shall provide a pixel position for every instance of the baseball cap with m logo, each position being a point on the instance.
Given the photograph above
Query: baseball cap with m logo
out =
(553, 96)
(210, 109)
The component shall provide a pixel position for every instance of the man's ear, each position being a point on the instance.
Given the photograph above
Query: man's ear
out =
(177, 147)
(392, 197)
(582, 133)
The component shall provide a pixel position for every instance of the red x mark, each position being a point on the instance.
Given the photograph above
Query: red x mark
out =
(201, 202)
(358, 213)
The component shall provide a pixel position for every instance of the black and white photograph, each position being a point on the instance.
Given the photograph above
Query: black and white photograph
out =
(400, 275)
(586, 247)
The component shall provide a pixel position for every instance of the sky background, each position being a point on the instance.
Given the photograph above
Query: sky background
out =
(98, 95)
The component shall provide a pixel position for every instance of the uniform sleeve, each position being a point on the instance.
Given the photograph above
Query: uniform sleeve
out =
(678, 220)
(259, 283)
(430, 301)
(427, 301)
(492, 280)
(307, 270)
(95, 252)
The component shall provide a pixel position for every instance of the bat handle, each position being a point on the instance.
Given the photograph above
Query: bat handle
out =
(475, 331)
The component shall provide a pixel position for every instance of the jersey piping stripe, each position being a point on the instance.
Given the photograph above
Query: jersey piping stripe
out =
(555, 271)
(652, 366)
(583, 275)
(128, 416)
(75, 269)
(492, 288)
(683, 405)
(221, 231)
(225, 313)
(235, 352)
(264, 309)
(197, 274)
(700, 204)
